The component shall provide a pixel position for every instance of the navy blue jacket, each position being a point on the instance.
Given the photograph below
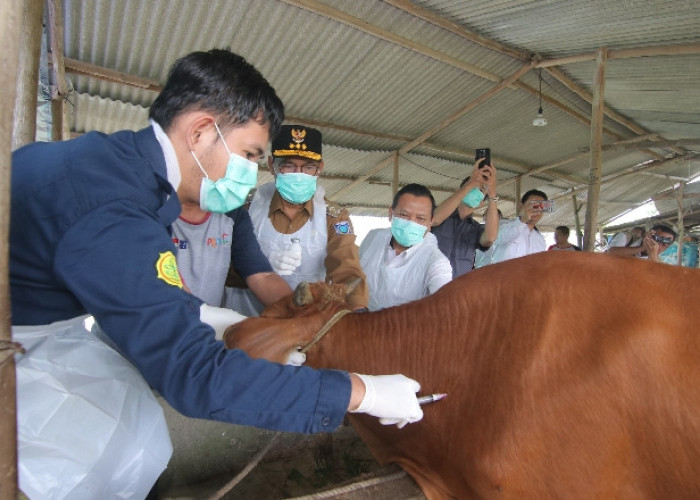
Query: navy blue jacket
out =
(90, 220)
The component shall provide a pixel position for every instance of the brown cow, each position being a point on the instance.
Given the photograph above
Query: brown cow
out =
(569, 375)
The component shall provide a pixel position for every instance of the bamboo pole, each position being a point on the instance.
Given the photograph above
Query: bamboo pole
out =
(577, 220)
(60, 129)
(595, 175)
(395, 181)
(681, 227)
(24, 129)
(11, 13)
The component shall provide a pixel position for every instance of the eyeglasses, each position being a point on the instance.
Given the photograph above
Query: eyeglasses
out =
(289, 167)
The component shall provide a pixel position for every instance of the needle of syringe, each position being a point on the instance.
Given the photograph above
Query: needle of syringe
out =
(431, 398)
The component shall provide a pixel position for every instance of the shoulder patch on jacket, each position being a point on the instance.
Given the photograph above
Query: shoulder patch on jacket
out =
(166, 267)
(343, 227)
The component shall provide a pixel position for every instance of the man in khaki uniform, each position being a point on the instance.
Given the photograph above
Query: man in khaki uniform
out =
(294, 208)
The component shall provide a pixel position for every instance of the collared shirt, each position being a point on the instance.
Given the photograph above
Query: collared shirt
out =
(459, 239)
(342, 255)
(172, 166)
(516, 239)
(395, 279)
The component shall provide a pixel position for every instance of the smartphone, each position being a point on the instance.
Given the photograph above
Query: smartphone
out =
(544, 205)
(666, 240)
(483, 153)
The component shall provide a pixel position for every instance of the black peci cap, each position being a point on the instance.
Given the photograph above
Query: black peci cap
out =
(297, 140)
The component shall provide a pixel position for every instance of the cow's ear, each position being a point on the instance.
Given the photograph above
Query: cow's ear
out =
(351, 285)
(302, 295)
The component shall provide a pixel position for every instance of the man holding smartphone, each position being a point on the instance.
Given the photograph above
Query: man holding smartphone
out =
(457, 233)
(520, 236)
(654, 243)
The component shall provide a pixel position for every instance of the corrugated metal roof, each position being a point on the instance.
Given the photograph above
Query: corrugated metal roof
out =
(373, 77)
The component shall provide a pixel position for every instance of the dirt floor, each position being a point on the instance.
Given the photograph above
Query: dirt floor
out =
(340, 467)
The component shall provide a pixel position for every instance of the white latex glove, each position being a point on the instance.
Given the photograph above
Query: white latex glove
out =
(219, 318)
(392, 398)
(284, 262)
(296, 358)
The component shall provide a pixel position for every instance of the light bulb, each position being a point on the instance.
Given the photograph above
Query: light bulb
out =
(540, 121)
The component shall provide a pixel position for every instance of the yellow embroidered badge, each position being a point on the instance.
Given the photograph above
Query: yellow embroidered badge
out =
(167, 269)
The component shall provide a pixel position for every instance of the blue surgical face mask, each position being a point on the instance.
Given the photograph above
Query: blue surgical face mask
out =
(296, 187)
(229, 192)
(406, 232)
(474, 198)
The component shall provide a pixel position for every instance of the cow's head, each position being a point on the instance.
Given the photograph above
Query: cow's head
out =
(289, 323)
(311, 298)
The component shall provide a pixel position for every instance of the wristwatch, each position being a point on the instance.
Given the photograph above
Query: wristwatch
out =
(494, 199)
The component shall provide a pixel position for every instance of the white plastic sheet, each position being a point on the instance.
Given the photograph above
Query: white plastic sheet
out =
(88, 424)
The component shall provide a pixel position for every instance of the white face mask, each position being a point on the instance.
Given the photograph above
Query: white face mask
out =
(229, 192)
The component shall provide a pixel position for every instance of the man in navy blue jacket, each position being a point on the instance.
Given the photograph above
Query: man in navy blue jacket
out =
(90, 234)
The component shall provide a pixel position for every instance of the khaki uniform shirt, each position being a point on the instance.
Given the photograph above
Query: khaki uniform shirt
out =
(342, 254)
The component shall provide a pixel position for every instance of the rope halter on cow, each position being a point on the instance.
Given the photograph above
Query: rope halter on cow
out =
(324, 329)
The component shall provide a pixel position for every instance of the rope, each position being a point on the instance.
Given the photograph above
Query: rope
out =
(246, 470)
(353, 487)
(329, 324)
(259, 456)
(8, 349)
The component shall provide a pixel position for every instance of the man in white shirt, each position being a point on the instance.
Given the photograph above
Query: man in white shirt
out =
(620, 244)
(403, 263)
(519, 237)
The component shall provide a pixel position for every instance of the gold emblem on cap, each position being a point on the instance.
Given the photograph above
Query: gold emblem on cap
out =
(298, 137)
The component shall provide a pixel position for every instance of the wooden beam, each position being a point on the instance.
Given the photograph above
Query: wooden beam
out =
(582, 118)
(614, 115)
(24, 130)
(75, 66)
(650, 144)
(434, 189)
(457, 29)
(591, 220)
(672, 195)
(664, 50)
(566, 109)
(362, 25)
(11, 25)
(668, 50)
(634, 170)
(82, 68)
(447, 121)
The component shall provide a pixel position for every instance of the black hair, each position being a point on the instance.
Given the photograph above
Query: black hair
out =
(466, 179)
(415, 190)
(223, 83)
(665, 229)
(533, 192)
(563, 230)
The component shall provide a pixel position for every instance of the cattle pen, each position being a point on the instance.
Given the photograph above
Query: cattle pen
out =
(213, 461)
(404, 91)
